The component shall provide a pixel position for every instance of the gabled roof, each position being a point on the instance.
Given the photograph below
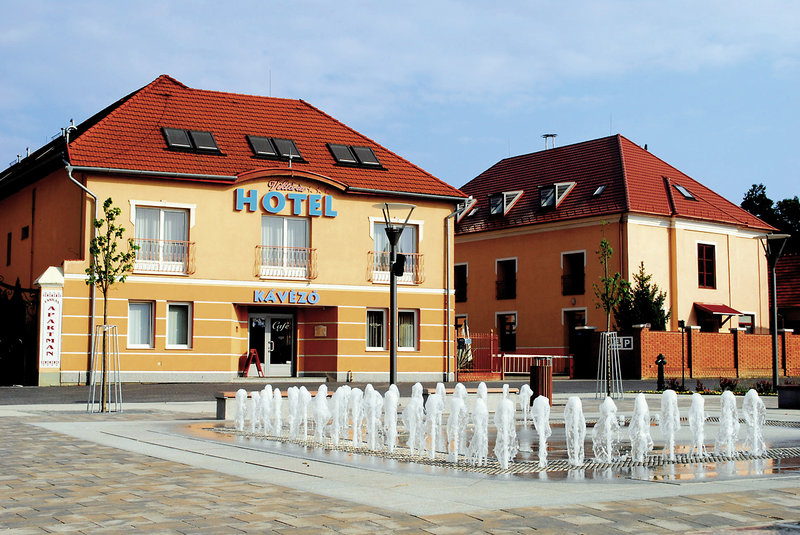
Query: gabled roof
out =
(635, 181)
(128, 135)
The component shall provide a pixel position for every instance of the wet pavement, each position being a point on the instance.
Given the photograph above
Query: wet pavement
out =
(64, 470)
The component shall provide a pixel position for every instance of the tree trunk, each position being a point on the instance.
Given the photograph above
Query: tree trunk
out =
(103, 397)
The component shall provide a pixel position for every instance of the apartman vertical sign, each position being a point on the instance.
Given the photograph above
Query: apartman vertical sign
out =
(50, 328)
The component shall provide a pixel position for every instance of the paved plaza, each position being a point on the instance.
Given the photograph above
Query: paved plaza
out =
(144, 469)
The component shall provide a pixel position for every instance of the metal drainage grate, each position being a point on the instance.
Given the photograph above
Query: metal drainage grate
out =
(492, 466)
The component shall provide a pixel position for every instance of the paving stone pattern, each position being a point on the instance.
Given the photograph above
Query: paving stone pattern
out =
(53, 483)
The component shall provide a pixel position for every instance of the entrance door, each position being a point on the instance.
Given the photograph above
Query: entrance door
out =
(272, 335)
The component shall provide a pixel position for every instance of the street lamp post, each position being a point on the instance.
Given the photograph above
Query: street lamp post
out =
(393, 233)
(773, 248)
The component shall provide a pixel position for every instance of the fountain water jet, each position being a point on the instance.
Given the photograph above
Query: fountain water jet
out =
(670, 422)
(483, 393)
(390, 401)
(305, 401)
(541, 422)
(524, 398)
(356, 405)
(479, 445)
(255, 411)
(434, 408)
(505, 445)
(697, 423)
(575, 430)
(728, 432)
(293, 398)
(277, 412)
(639, 430)
(266, 409)
(605, 433)
(457, 428)
(373, 406)
(241, 409)
(321, 413)
(414, 420)
(755, 415)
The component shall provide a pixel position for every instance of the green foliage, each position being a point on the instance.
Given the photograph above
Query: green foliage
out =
(643, 304)
(612, 288)
(784, 215)
(110, 264)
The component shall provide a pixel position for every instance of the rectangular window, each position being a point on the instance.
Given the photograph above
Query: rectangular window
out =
(706, 268)
(284, 251)
(407, 329)
(140, 324)
(461, 282)
(507, 330)
(179, 325)
(8, 250)
(573, 276)
(506, 278)
(163, 239)
(748, 322)
(376, 329)
(406, 245)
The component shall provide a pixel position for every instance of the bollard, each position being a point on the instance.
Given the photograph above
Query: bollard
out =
(661, 361)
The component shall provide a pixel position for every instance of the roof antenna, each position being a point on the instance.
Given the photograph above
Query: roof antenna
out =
(548, 138)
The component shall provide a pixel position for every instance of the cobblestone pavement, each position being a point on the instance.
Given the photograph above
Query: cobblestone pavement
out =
(55, 483)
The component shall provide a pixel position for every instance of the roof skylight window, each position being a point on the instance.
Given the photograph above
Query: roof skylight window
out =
(366, 156)
(177, 138)
(599, 190)
(685, 192)
(342, 154)
(203, 140)
(262, 146)
(287, 149)
(354, 156)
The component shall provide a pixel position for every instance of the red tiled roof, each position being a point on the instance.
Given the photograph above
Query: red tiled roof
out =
(787, 280)
(127, 135)
(635, 182)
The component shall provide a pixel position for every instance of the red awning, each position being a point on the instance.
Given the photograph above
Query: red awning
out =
(720, 310)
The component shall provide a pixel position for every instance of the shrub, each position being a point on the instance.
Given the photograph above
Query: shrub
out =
(700, 387)
(726, 383)
(673, 383)
(764, 387)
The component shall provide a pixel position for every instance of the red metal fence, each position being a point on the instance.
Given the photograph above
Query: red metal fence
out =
(479, 360)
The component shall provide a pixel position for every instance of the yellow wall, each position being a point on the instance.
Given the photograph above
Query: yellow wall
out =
(222, 287)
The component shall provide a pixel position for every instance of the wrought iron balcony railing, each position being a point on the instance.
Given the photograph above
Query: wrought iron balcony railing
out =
(298, 263)
(378, 266)
(164, 256)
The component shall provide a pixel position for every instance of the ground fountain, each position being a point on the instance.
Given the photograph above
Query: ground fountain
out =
(524, 398)
(434, 409)
(669, 422)
(356, 408)
(457, 428)
(728, 433)
(266, 409)
(241, 409)
(277, 411)
(574, 430)
(390, 406)
(755, 415)
(305, 401)
(293, 418)
(321, 413)
(639, 430)
(255, 410)
(414, 420)
(505, 446)
(605, 433)
(479, 445)
(541, 422)
(697, 424)
(373, 408)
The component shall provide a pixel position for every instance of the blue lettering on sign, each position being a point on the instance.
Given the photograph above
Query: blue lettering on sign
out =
(293, 296)
(274, 202)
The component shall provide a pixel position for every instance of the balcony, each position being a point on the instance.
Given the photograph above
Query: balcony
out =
(378, 264)
(573, 284)
(295, 263)
(164, 256)
(507, 289)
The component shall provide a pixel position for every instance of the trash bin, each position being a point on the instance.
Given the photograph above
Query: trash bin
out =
(542, 378)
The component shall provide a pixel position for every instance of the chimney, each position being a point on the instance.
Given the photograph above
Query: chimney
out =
(549, 139)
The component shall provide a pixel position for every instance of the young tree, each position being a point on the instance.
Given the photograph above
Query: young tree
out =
(643, 304)
(109, 266)
(612, 288)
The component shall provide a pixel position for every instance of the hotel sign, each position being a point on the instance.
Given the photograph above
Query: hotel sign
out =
(301, 203)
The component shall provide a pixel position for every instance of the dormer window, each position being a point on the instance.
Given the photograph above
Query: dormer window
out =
(466, 209)
(502, 203)
(552, 195)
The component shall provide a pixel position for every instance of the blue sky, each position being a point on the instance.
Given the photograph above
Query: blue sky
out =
(711, 87)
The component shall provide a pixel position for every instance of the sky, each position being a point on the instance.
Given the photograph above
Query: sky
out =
(712, 88)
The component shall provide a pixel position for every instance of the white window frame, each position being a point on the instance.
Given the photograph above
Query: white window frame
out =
(160, 265)
(285, 271)
(150, 344)
(384, 325)
(415, 346)
(189, 323)
(382, 277)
